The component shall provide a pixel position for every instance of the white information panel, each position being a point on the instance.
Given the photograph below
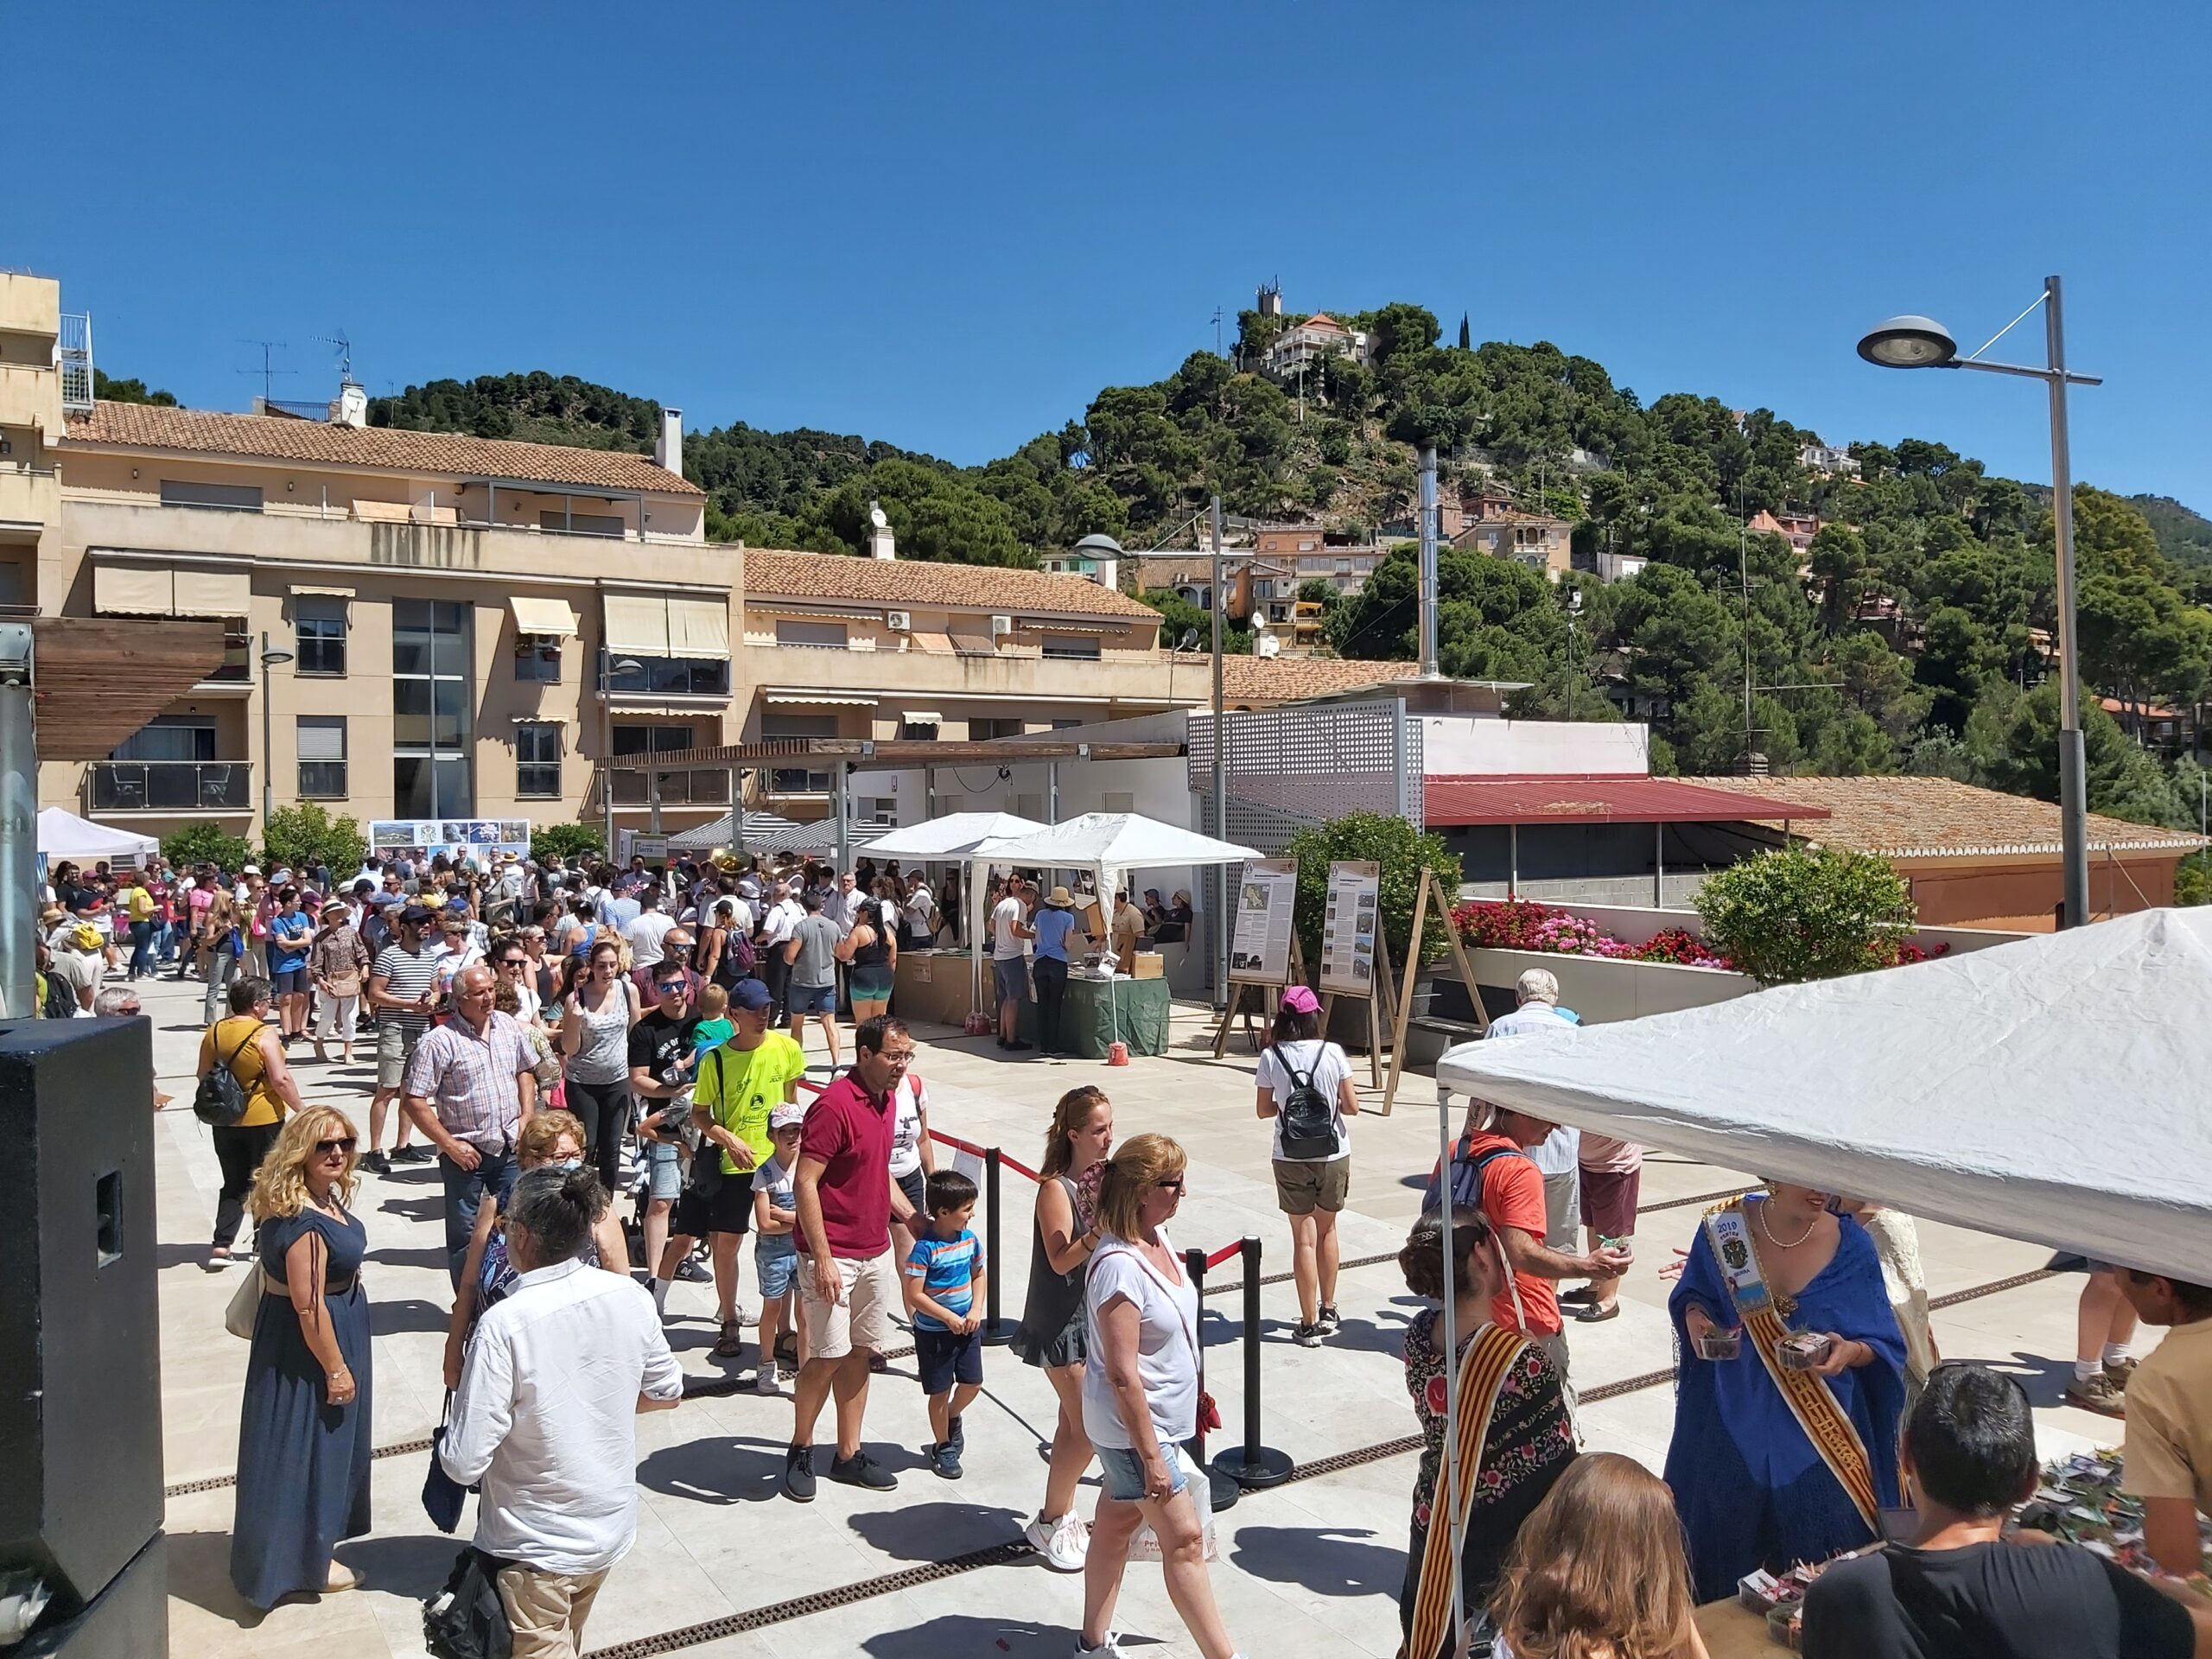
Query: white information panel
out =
(1258, 937)
(1348, 929)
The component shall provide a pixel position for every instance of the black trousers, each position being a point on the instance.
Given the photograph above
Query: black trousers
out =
(604, 1110)
(1049, 975)
(239, 1149)
(776, 974)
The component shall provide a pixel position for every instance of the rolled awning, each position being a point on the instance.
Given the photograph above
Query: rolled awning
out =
(819, 700)
(636, 623)
(555, 616)
(923, 717)
(698, 626)
(212, 593)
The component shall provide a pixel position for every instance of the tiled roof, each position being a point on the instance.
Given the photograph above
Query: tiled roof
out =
(1590, 799)
(1936, 818)
(1286, 679)
(331, 443)
(847, 577)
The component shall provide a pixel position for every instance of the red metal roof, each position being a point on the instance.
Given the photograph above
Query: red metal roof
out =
(1622, 799)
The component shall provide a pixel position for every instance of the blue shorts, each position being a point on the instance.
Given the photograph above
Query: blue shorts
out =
(664, 1169)
(813, 999)
(1010, 975)
(942, 1358)
(1122, 1472)
(778, 1270)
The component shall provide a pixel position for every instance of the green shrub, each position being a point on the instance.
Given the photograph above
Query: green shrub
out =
(1401, 852)
(571, 840)
(300, 837)
(1807, 913)
(204, 843)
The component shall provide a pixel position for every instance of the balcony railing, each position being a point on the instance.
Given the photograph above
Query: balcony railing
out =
(170, 785)
(237, 666)
(708, 786)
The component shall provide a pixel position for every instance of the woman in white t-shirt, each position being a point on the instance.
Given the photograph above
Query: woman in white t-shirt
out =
(912, 1161)
(1140, 1397)
(1311, 1179)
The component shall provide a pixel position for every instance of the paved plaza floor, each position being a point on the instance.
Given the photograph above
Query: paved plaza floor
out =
(724, 1566)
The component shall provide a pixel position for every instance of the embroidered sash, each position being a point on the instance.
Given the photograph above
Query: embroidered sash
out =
(1808, 1396)
(1482, 1373)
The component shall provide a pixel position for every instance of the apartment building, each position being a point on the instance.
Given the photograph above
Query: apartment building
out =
(1536, 539)
(30, 423)
(419, 625)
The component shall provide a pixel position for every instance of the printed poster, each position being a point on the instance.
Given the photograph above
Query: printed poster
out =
(1258, 937)
(1348, 929)
(479, 841)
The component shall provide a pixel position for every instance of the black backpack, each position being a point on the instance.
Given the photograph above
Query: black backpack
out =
(219, 1101)
(467, 1619)
(1308, 1117)
(60, 1000)
(1466, 1177)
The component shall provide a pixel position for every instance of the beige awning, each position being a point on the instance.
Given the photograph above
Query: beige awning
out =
(212, 593)
(555, 616)
(133, 590)
(931, 644)
(698, 626)
(923, 717)
(323, 593)
(819, 700)
(637, 624)
(970, 640)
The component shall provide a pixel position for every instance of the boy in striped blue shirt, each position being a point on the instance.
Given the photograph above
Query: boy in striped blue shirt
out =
(944, 1278)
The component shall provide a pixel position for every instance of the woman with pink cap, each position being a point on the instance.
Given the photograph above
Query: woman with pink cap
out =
(1304, 1084)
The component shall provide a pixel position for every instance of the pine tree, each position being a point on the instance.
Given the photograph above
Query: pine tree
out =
(1466, 342)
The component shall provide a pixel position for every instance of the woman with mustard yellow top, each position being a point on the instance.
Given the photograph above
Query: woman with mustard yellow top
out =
(248, 1045)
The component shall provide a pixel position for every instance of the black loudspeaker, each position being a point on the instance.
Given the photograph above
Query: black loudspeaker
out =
(80, 1380)
(129, 1619)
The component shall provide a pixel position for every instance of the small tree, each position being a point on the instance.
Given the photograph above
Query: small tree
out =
(204, 843)
(1807, 912)
(1401, 852)
(570, 841)
(300, 837)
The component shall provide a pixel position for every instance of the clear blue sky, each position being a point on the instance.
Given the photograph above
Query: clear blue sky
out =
(947, 225)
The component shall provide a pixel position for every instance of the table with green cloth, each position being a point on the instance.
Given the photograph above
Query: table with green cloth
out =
(1095, 1015)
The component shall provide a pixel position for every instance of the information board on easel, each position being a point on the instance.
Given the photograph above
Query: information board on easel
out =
(1260, 942)
(1355, 957)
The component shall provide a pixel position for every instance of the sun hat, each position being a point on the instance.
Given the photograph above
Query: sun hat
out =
(1060, 899)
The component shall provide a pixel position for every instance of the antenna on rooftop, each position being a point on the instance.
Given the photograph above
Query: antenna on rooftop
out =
(1217, 331)
(345, 353)
(268, 372)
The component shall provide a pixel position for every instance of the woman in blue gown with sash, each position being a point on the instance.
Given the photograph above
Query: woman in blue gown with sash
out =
(1772, 1464)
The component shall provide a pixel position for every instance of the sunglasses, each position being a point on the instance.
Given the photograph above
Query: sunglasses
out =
(672, 987)
(1175, 1186)
(514, 961)
(324, 1148)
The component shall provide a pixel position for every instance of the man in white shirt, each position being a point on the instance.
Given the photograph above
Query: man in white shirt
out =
(1559, 1159)
(1010, 937)
(781, 917)
(920, 906)
(645, 935)
(546, 1416)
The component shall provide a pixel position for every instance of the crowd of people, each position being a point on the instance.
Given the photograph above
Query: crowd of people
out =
(560, 1041)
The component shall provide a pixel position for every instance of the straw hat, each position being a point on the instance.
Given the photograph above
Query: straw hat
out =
(1060, 899)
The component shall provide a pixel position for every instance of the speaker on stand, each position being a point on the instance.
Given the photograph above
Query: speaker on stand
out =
(80, 1391)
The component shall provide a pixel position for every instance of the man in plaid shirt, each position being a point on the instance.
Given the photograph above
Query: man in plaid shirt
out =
(470, 1089)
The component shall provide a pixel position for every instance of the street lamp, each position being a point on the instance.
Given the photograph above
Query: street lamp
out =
(1915, 342)
(608, 666)
(270, 659)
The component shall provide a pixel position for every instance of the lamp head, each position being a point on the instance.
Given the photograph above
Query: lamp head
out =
(1908, 342)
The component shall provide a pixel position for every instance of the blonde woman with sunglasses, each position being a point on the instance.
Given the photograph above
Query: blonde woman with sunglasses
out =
(303, 1426)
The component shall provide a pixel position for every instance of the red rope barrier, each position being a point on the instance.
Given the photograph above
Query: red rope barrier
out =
(1224, 1253)
(1005, 1162)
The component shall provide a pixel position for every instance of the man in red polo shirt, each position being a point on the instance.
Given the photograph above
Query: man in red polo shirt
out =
(1512, 1196)
(847, 1283)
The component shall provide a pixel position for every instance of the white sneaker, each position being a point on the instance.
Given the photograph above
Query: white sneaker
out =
(1064, 1546)
(764, 1380)
(1110, 1647)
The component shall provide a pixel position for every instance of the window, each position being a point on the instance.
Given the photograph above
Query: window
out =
(538, 657)
(319, 626)
(681, 676)
(799, 779)
(226, 498)
(1075, 647)
(880, 811)
(433, 708)
(170, 737)
(322, 757)
(1118, 800)
(1065, 725)
(829, 636)
(579, 523)
(918, 731)
(537, 761)
(982, 730)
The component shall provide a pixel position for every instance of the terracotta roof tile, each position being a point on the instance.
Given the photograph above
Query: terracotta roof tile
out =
(1286, 679)
(1936, 818)
(772, 574)
(151, 426)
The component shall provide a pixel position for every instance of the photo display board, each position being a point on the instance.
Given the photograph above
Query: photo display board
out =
(1258, 937)
(481, 841)
(1349, 929)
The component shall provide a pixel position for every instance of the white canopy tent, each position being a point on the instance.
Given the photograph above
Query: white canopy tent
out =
(952, 838)
(2050, 1089)
(761, 832)
(62, 834)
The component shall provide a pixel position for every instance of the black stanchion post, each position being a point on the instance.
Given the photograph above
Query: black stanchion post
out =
(1226, 1491)
(1253, 1465)
(994, 1334)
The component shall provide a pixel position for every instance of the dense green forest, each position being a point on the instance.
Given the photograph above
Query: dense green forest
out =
(1915, 637)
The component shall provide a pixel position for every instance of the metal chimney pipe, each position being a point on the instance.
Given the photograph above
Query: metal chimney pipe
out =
(1428, 560)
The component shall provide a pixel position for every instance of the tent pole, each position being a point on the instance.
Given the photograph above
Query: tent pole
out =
(18, 827)
(1451, 1401)
(1512, 861)
(1659, 866)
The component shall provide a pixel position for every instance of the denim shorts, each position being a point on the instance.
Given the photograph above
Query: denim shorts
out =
(778, 1269)
(813, 999)
(664, 1166)
(1122, 1472)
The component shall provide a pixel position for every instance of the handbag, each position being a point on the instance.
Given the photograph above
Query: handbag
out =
(245, 1303)
(442, 1493)
(467, 1619)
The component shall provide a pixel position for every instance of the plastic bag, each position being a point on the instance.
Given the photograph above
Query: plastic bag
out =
(1145, 1546)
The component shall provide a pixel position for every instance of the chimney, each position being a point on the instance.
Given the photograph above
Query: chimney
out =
(1428, 596)
(352, 404)
(668, 447)
(881, 543)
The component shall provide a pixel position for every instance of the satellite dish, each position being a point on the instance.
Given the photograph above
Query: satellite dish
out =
(1189, 641)
(875, 517)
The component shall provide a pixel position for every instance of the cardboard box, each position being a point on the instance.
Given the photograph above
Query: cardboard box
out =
(1147, 964)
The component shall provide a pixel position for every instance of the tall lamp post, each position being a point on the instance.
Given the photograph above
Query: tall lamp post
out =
(1914, 342)
(270, 659)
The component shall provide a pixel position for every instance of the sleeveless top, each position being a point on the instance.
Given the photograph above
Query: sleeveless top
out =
(1054, 1299)
(877, 951)
(604, 1054)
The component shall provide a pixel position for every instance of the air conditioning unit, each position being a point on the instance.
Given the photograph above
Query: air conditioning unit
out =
(898, 622)
(1002, 625)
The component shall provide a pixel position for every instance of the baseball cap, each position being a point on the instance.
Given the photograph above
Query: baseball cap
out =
(415, 915)
(1299, 999)
(749, 994)
(786, 1117)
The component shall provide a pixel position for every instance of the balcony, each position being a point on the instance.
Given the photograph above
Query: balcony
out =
(31, 395)
(170, 786)
(707, 786)
(27, 495)
(235, 672)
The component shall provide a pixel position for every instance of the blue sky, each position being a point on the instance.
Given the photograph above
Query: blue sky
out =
(948, 224)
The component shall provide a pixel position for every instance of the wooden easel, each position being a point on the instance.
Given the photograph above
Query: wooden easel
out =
(1428, 884)
(1237, 1003)
(1377, 1019)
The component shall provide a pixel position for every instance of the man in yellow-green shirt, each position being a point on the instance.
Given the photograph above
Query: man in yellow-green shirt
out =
(736, 1087)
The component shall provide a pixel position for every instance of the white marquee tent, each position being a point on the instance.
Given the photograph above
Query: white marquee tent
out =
(62, 834)
(2050, 1090)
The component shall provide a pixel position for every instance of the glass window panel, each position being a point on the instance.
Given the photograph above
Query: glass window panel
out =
(456, 797)
(411, 650)
(410, 716)
(322, 780)
(450, 705)
(411, 786)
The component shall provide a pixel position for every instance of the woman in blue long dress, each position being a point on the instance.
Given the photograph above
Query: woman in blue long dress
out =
(1753, 1488)
(303, 1427)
